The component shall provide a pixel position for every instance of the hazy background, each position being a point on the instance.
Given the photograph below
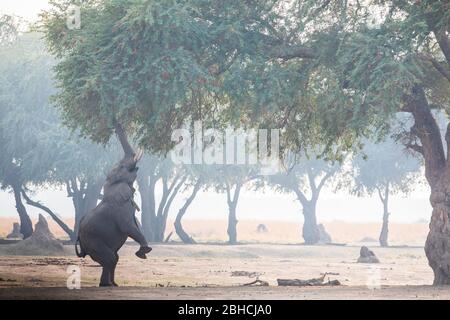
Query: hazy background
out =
(252, 205)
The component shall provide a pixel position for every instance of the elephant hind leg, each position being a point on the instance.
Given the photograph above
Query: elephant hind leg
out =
(113, 271)
(107, 258)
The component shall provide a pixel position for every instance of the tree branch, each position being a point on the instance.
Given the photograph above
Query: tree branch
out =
(172, 196)
(38, 205)
(300, 196)
(380, 194)
(227, 187)
(438, 66)
(311, 180)
(447, 139)
(444, 43)
(322, 182)
(428, 132)
(415, 147)
(290, 52)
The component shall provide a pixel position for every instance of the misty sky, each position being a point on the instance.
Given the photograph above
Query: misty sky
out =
(253, 205)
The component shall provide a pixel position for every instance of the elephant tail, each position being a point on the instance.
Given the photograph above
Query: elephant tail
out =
(81, 253)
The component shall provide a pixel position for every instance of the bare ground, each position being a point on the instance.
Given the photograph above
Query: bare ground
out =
(210, 272)
(229, 293)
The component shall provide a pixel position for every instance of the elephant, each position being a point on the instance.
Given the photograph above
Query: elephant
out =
(104, 230)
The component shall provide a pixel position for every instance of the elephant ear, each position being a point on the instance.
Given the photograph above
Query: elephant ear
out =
(123, 193)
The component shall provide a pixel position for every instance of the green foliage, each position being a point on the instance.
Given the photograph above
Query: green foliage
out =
(385, 164)
(155, 64)
(37, 149)
(27, 121)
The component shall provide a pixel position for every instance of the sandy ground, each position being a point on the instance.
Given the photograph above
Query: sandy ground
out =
(206, 272)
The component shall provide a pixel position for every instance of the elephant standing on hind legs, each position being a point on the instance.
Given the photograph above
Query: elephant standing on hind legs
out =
(104, 230)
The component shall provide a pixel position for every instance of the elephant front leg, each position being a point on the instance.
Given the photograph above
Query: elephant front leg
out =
(131, 230)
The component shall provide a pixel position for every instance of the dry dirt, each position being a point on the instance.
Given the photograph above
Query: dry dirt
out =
(206, 272)
(211, 271)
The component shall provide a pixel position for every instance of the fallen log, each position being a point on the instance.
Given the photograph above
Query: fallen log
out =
(257, 282)
(310, 282)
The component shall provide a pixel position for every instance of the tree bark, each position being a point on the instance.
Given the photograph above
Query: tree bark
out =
(437, 245)
(26, 226)
(437, 172)
(385, 225)
(182, 234)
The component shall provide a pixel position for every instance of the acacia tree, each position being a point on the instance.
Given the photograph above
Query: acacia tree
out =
(374, 61)
(38, 151)
(24, 124)
(195, 181)
(305, 177)
(384, 169)
(355, 67)
(230, 180)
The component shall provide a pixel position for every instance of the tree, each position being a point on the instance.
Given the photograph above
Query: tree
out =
(305, 177)
(384, 169)
(195, 182)
(38, 151)
(154, 170)
(231, 179)
(24, 125)
(379, 59)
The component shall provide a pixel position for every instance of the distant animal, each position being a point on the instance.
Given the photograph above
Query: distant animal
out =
(261, 228)
(104, 230)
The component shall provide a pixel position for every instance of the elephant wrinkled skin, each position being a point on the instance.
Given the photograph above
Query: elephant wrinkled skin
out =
(104, 230)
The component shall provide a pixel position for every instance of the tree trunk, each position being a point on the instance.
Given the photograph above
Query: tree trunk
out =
(437, 172)
(384, 229)
(232, 225)
(148, 217)
(232, 205)
(437, 245)
(184, 236)
(310, 230)
(153, 224)
(385, 224)
(26, 226)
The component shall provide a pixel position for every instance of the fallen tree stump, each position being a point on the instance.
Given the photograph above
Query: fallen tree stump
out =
(310, 282)
(367, 256)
